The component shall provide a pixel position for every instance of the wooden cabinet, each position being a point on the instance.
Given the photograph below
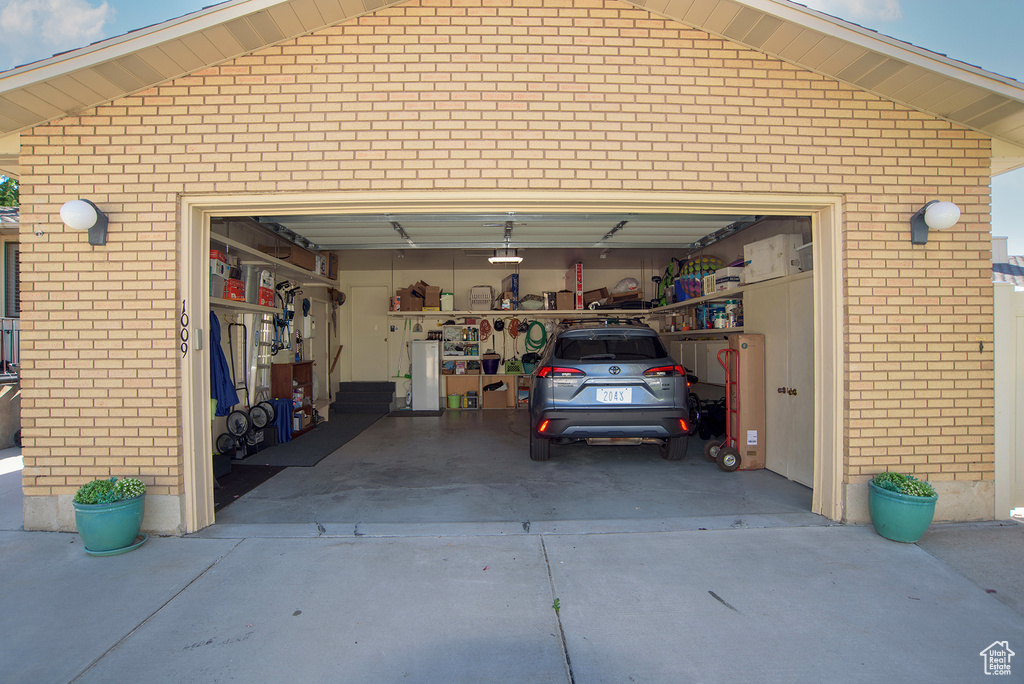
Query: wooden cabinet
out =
(783, 313)
(460, 384)
(294, 381)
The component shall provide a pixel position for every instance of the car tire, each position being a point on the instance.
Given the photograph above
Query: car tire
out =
(674, 449)
(540, 447)
(728, 459)
(694, 406)
(711, 449)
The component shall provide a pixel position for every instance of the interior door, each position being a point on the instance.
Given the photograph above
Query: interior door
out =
(800, 412)
(784, 314)
(369, 332)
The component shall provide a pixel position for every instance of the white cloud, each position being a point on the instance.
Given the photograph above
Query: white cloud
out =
(858, 10)
(36, 29)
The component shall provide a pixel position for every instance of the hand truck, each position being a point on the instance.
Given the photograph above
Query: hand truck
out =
(726, 453)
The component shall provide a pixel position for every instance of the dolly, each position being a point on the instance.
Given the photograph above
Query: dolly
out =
(725, 453)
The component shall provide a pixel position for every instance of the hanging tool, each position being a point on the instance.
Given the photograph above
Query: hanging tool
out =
(245, 361)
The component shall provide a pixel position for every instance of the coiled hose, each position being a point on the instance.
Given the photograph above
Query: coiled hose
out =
(535, 344)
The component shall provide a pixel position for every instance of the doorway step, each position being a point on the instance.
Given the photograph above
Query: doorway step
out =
(364, 397)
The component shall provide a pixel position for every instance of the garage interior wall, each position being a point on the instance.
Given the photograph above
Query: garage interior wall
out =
(585, 97)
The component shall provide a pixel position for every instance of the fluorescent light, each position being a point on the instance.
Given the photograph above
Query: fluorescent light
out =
(505, 256)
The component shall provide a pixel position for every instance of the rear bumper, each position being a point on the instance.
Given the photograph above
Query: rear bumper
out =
(657, 423)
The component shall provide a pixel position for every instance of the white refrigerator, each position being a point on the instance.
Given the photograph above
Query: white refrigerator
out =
(426, 375)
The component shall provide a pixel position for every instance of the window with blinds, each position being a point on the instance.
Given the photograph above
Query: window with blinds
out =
(12, 279)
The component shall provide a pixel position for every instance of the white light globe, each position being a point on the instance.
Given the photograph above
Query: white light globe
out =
(78, 214)
(941, 215)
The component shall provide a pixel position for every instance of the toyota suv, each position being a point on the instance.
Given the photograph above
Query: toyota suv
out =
(608, 383)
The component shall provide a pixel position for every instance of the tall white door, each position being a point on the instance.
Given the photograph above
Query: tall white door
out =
(369, 332)
(783, 313)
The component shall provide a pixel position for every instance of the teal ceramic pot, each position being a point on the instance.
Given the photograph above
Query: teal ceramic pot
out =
(898, 516)
(109, 527)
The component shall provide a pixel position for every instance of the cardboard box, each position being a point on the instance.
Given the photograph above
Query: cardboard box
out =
(409, 302)
(751, 438)
(592, 296)
(332, 265)
(496, 400)
(234, 290)
(216, 287)
(564, 301)
(217, 255)
(432, 297)
(293, 254)
(218, 267)
(266, 297)
(631, 295)
(574, 284)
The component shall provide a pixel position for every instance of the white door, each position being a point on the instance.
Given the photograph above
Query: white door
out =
(369, 332)
(800, 411)
(784, 314)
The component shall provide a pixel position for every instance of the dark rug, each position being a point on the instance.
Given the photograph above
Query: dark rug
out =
(409, 413)
(241, 481)
(310, 448)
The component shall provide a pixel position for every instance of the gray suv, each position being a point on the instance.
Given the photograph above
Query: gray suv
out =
(602, 381)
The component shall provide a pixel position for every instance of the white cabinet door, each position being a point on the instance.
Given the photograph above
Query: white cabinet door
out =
(783, 313)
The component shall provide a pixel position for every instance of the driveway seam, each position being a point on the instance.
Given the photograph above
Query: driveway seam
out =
(558, 617)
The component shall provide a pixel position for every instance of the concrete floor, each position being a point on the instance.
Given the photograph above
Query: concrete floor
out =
(473, 468)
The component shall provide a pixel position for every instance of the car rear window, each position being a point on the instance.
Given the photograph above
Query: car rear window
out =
(611, 348)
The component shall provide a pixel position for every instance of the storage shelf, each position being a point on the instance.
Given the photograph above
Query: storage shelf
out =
(702, 332)
(241, 306)
(725, 294)
(254, 256)
(528, 313)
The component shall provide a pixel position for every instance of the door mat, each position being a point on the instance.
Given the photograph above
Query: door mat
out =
(241, 481)
(312, 447)
(409, 413)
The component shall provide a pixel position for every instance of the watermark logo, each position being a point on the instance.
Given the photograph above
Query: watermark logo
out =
(997, 658)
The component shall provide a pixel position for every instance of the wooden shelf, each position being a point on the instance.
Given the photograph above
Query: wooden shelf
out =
(254, 256)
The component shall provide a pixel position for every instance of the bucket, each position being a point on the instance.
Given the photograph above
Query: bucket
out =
(490, 363)
(454, 401)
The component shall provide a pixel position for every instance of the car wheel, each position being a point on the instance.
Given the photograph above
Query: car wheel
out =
(711, 450)
(694, 413)
(728, 459)
(540, 447)
(674, 449)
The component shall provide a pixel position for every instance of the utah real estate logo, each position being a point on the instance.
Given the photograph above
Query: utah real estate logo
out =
(997, 658)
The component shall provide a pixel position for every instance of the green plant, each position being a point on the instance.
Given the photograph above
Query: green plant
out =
(903, 484)
(110, 491)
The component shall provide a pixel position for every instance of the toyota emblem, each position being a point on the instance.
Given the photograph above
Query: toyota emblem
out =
(614, 370)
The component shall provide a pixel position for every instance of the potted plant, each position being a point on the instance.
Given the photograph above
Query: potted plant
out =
(108, 515)
(901, 506)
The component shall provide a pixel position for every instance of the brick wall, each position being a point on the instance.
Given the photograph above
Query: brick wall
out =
(490, 94)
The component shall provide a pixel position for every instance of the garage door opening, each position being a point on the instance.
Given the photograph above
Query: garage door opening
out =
(460, 265)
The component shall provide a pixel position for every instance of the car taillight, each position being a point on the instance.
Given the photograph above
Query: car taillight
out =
(664, 372)
(543, 426)
(682, 422)
(559, 372)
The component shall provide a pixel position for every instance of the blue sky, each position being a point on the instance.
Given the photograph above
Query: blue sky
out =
(985, 33)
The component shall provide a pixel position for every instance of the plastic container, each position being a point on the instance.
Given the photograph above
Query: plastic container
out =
(454, 401)
(490, 363)
(447, 301)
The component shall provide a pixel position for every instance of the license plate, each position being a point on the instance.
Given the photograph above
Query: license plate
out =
(616, 395)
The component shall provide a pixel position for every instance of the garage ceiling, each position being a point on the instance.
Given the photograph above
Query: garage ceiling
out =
(506, 229)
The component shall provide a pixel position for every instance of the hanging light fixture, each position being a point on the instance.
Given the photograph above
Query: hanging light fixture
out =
(505, 256)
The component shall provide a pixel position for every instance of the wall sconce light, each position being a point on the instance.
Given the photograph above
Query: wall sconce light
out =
(935, 215)
(81, 214)
(505, 256)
